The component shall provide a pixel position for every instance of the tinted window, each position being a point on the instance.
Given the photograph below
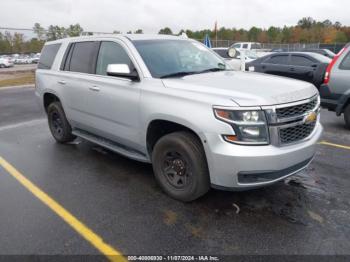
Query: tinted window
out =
(301, 61)
(111, 53)
(237, 45)
(345, 64)
(48, 55)
(83, 58)
(245, 46)
(222, 52)
(67, 57)
(277, 60)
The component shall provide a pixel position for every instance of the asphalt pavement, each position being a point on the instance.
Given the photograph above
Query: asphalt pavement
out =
(117, 198)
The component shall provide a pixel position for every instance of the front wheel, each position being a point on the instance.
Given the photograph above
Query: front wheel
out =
(180, 166)
(58, 123)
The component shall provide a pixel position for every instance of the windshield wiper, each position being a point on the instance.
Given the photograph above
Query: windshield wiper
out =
(186, 73)
(214, 69)
(179, 74)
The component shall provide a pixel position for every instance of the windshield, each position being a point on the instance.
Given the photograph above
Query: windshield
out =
(166, 58)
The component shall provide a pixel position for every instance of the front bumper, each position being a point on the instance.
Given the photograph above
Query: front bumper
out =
(229, 163)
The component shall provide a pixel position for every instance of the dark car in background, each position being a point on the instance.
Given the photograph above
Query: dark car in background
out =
(325, 52)
(335, 91)
(310, 67)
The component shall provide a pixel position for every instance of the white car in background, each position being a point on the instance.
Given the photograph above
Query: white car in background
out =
(247, 46)
(251, 47)
(233, 56)
(5, 62)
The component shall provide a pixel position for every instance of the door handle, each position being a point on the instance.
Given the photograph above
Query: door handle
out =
(61, 82)
(292, 69)
(94, 88)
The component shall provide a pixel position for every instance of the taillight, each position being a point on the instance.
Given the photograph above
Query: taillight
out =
(327, 76)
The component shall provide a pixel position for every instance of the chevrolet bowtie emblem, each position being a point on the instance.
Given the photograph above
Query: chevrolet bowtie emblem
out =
(310, 118)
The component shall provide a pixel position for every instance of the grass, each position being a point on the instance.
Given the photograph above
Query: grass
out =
(19, 79)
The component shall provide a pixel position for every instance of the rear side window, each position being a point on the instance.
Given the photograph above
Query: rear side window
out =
(111, 53)
(345, 64)
(222, 52)
(277, 60)
(83, 57)
(300, 61)
(48, 55)
(245, 46)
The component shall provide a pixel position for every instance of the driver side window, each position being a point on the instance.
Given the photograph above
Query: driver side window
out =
(111, 53)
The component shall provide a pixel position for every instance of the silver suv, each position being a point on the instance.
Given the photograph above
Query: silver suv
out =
(335, 92)
(172, 102)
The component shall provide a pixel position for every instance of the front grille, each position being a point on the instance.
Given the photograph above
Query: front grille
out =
(296, 133)
(297, 110)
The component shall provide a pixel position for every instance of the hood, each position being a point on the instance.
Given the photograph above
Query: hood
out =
(245, 88)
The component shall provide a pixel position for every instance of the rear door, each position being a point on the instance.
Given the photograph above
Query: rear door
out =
(275, 65)
(77, 68)
(303, 67)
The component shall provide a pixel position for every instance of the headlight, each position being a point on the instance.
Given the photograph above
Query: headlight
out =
(249, 126)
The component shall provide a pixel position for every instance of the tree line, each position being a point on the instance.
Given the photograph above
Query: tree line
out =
(307, 30)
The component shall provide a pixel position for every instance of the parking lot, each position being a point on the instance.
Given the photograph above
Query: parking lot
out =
(119, 201)
(17, 68)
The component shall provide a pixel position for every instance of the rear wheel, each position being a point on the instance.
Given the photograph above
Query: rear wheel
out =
(2, 66)
(180, 166)
(347, 116)
(58, 123)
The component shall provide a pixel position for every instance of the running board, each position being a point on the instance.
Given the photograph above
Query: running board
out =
(113, 146)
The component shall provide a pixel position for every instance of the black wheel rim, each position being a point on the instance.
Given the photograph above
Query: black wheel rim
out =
(176, 170)
(56, 125)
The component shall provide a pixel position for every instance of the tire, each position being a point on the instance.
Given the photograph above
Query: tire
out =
(58, 123)
(347, 116)
(2, 66)
(180, 166)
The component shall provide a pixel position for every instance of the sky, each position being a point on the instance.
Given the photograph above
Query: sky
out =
(151, 15)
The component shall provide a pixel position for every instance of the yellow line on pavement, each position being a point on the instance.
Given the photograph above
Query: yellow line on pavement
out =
(334, 145)
(83, 230)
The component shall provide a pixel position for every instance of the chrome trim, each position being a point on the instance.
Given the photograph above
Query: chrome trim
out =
(272, 115)
(275, 124)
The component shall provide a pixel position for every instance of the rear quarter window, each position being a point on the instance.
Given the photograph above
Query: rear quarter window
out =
(83, 58)
(345, 64)
(48, 55)
(301, 61)
(222, 52)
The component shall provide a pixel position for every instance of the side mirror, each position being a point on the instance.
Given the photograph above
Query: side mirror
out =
(122, 70)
